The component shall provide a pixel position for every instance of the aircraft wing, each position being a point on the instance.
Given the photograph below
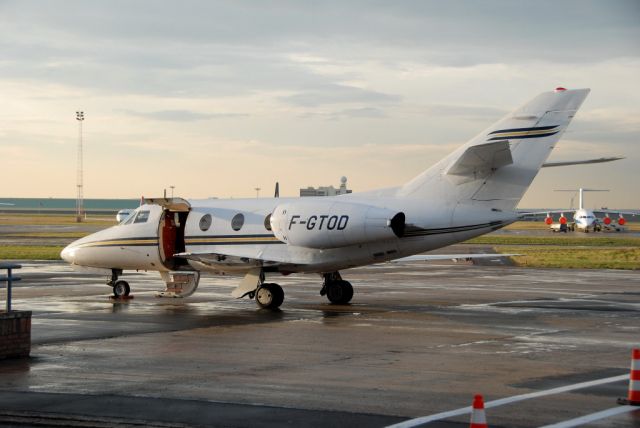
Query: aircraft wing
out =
(569, 211)
(581, 162)
(616, 212)
(432, 257)
(229, 262)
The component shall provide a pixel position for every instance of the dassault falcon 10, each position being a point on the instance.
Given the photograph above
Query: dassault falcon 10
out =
(471, 192)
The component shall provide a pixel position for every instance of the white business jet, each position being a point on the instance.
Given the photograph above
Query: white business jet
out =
(471, 192)
(585, 219)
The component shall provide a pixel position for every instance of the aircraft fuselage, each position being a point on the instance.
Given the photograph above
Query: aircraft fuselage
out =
(150, 237)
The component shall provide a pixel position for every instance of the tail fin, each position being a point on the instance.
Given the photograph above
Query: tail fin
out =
(580, 193)
(497, 166)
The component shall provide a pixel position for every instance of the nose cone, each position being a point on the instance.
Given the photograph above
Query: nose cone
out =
(68, 254)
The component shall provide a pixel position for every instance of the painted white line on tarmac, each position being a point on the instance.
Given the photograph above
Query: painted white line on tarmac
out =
(593, 417)
(508, 400)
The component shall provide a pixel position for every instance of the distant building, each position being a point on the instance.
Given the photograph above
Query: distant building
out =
(326, 191)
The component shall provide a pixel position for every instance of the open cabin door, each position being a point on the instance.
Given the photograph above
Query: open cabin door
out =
(171, 230)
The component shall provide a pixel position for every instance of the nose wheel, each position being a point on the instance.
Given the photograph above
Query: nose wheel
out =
(121, 289)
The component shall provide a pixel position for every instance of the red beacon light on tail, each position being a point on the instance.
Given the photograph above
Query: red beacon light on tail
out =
(560, 89)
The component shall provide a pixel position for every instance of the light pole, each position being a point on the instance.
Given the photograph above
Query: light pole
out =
(80, 196)
(172, 187)
(257, 189)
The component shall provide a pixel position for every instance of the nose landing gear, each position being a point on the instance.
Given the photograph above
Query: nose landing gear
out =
(120, 287)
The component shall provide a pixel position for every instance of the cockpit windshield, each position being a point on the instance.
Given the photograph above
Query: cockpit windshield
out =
(136, 217)
(129, 218)
(142, 217)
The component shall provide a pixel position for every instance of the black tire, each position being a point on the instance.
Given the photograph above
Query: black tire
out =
(269, 296)
(339, 292)
(121, 289)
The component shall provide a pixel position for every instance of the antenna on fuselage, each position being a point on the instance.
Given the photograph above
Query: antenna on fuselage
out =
(276, 193)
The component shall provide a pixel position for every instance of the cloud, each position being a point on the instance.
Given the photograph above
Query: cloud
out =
(351, 113)
(181, 115)
(469, 33)
(338, 94)
(228, 48)
(376, 83)
(464, 111)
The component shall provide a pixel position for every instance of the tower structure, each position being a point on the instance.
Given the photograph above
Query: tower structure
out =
(80, 196)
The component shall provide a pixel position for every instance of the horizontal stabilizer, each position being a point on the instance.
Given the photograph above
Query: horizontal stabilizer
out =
(480, 160)
(581, 162)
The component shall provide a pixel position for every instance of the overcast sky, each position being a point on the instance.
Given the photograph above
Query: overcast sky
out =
(217, 98)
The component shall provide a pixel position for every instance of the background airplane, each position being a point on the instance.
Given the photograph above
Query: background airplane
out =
(471, 192)
(585, 219)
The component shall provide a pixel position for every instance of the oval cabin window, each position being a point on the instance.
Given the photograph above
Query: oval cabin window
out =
(205, 222)
(237, 221)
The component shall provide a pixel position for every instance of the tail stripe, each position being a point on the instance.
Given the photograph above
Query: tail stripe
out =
(535, 128)
(519, 133)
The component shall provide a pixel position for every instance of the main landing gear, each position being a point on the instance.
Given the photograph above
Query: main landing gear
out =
(269, 296)
(337, 290)
(120, 287)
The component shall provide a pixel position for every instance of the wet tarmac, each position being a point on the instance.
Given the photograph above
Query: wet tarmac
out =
(418, 339)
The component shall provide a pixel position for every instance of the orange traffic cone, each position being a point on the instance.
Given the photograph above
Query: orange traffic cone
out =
(634, 381)
(478, 418)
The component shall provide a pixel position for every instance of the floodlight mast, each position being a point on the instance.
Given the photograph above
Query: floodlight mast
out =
(80, 197)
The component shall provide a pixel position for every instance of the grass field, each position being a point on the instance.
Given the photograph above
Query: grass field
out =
(617, 240)
(53, 220)
(575, 258)
(70, 235)
(29, 252)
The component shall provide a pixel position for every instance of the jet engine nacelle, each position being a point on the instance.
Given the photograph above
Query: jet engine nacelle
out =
(321, 225)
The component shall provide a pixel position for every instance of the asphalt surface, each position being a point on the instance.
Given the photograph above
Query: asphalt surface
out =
(418, 339)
